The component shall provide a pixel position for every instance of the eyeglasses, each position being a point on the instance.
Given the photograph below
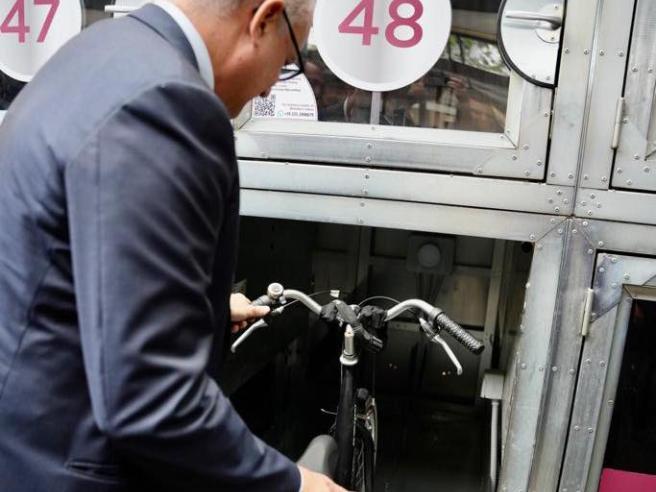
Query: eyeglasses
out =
(294, 70)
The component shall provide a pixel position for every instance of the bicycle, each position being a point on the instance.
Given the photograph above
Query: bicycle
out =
(348, 454)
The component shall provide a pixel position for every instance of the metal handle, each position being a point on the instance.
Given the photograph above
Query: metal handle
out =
(119, 9)
(555, 21)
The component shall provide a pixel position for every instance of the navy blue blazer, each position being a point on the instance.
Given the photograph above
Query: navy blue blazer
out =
(119, 201)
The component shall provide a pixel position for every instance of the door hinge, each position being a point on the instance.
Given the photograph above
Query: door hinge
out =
(617, 130)
(587, 312)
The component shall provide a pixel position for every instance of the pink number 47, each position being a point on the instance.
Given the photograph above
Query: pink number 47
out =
(14, 23)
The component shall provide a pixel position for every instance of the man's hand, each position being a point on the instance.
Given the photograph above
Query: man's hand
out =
(316, 482)
(242, 313)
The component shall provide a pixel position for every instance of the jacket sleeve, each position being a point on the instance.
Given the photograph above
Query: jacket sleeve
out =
(146, 200)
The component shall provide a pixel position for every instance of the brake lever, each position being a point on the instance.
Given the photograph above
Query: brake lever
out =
(254, 327)
(436, 338)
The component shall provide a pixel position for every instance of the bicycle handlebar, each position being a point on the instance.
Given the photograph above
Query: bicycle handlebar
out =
(276, 293)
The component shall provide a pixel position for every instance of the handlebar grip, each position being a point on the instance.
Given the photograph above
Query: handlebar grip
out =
(457, 332)
(264, 300)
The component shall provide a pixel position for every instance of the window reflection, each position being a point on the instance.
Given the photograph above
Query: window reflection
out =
(466, 90)
(94, 10)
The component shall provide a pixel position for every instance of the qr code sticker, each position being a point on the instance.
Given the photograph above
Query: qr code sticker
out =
(265, 107)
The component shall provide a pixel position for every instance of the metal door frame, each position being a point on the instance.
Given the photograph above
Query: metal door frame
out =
(528, 374)
(618, 281)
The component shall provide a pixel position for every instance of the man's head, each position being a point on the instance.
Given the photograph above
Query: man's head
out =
(249, 42)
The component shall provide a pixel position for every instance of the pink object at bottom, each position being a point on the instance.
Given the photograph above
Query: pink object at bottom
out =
(623, 481)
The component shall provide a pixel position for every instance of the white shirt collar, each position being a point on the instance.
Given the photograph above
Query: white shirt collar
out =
(195, 40)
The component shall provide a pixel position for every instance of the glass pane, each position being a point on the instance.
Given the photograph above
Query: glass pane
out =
(94, 10)
(466, 90)
(630, 459)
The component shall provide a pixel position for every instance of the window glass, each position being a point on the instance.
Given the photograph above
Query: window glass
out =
(467, 89)
(94, 10)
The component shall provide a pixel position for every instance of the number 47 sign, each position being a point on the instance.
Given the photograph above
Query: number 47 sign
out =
(32, 30)
(381, 45)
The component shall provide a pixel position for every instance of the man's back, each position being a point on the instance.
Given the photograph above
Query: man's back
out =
(118, 220)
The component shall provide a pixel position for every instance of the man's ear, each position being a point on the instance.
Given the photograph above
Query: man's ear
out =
(266, 17)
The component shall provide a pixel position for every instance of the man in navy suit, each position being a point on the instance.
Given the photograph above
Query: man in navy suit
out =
(119, 203)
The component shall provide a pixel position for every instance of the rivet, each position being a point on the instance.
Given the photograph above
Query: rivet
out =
(553, 175)
(514, 157)
(586, 52)
(362, 204)
(602, 53)
(590, 213)
(539, 163)
(541, 369)
(570, 176)
(593, 196)
(554, 369)
(620, 54)
(601, 244)
(585, 223)
(360, 221)
(366, 176)
(551, 200)
(559, 192)
(602, 363)
(613, 260)
(532, 237)
(634, 69)
(590, 430)
(650, 70)
(620, 170)
(479, 170)
(552, 220)
(525, 147)
(365, 192)
(627, 276)
(604, 179)
(646, 169)
(523, 366)
(508, 131)
(557, 209)
(598, 205)
(636, 157)
(629, 182)
(611, 402)
(590, 251)
(539, 247)
(571, 372)
(553, 38)
(527, 172)
(574, 231)
(560, 231)
(625, 120)
(567, 51)
(584, 203)
(588, 361)
(367, 159)
(577, 428)
(602, 270)
(586, 177)
(546, 114)
(370, 146)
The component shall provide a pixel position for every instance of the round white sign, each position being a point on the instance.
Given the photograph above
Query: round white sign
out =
(381, 45)
(31, 31)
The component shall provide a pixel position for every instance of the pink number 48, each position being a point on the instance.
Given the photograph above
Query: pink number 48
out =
(17, 16)
(368, 30)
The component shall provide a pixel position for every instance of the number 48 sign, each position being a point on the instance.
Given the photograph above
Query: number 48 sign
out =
(381, 45)
(32, 30)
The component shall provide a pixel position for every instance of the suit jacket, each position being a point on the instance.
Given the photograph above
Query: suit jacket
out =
(119, 200)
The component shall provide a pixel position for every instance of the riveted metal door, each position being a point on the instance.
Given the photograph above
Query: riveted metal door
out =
(612, 434)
